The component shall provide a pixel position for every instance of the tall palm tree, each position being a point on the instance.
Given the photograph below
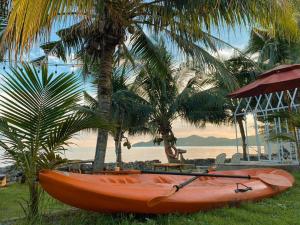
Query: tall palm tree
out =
(105, 26)
(37, 119)
(194, 103)
(130, 112)
(244, 70)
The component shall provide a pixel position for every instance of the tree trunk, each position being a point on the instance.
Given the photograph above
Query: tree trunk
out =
(172, 158)
(104, 92)
(33, 200)
(167, 147)
(243, 136)
(118, 148)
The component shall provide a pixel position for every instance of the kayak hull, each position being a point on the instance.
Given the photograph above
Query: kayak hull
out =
(132, 192)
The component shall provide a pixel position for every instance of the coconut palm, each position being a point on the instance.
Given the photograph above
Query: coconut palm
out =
(129, 111)
(244, 70)
(104, 27)
(163, 93)
(37, 121)
(273, 49)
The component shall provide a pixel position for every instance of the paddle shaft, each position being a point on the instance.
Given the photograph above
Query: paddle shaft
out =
(183, 184)
(196, 174)
(158, 199)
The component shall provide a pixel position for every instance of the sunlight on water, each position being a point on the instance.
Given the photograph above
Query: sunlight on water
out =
(148, 153)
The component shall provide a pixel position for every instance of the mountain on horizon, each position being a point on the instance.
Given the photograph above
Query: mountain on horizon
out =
(195, 140)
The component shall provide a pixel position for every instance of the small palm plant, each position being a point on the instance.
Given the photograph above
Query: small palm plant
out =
(37, 121)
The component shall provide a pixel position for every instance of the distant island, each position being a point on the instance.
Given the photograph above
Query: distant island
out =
(195, 140)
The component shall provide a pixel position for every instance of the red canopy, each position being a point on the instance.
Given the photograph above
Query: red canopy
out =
(280, 78)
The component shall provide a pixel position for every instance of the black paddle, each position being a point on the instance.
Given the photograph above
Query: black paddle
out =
(175, 188)
(270, 179)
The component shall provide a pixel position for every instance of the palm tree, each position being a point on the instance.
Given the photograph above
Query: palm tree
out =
(104, 27)
(162, 92)
(129, 111)
(273, 49)
(37, 121)
(244, 70)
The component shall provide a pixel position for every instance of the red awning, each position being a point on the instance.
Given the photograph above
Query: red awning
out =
(280, 78)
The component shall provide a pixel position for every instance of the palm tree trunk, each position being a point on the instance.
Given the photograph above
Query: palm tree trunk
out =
(243, 136)
(104, 93)
(118, 153)
(118, 147)
(167, 147)
(33, 200)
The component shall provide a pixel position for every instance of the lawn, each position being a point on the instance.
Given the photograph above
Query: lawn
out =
(280, 210)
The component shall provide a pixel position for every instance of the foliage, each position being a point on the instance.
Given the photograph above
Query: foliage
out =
(196, 103)
(180, 17)
(183, 24)
(130, 112)
(102, 27)
(272, 49)
(244, 71)
(38, 119)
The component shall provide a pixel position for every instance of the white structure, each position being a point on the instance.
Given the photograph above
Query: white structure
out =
(261, 99)
(260, 107)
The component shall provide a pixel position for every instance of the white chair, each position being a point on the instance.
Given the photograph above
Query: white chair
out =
(220, 159)
(236, 158)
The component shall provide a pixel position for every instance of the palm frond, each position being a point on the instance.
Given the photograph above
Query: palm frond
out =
(199, 107)
(55, 48)
(145, 49)
(215, 14)
(29, 21)
(38, 116)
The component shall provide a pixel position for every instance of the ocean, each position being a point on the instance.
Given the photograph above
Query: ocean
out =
(145, 153)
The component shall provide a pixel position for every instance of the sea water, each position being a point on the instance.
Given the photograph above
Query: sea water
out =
(144, 153)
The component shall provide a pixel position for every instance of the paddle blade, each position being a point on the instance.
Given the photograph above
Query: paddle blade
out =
(155, 201)
(274, 179)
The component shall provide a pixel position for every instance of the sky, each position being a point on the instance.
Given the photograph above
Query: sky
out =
(237, 38)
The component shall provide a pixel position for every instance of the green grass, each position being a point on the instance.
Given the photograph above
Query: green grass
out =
(14, 197)
(280, 210)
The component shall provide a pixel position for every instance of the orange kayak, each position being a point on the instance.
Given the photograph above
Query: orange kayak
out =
(131, 192)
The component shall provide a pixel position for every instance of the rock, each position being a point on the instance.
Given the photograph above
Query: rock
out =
(12, 174)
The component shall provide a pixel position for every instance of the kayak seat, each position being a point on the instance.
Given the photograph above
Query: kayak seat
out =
(123, 180)
(163, 180)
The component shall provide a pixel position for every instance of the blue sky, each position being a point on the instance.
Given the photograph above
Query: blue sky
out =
(237, 38)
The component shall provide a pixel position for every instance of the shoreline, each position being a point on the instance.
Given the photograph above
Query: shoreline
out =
(12, 173)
